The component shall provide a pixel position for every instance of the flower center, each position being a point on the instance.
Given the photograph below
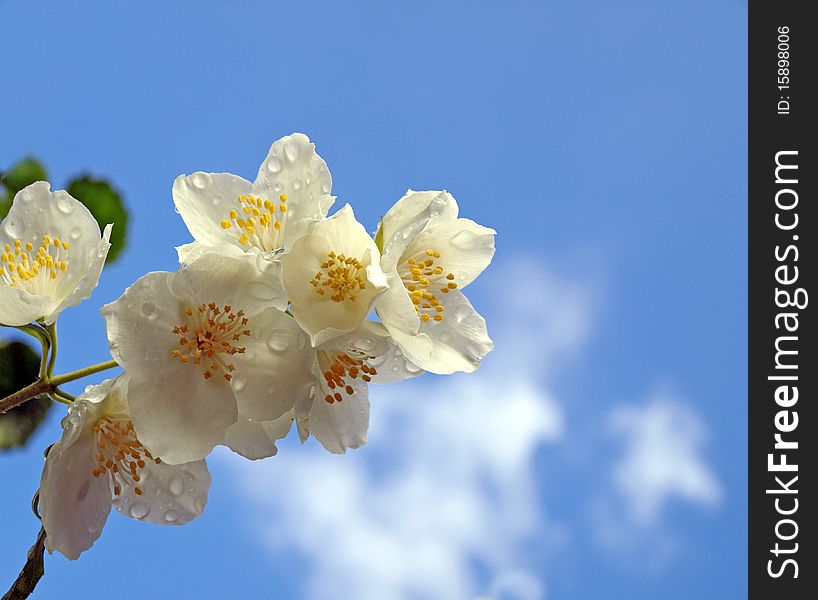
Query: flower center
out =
(424, 279)
(37, 273)
(211, 335)
(336, 368)
(341, 277)
(257, 223)
(120, 453)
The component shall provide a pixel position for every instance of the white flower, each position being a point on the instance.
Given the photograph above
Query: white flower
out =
(337, 413)
(332, 276)
(230, 213)
(429, 256)
(100, 462)
(197, 346)
(52, 255)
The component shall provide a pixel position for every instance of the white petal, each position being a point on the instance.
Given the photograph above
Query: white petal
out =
(204, 200)
(171, 494)
(320, 316)
(18, 307)
(459, 342)
(73, 503)
(255, 440)
(395, 307)
(409, 215)
(250, 282)
(292, 167)
(89, 280)
(276, 369)
(181, 418)
(465, 247)
(340, 425)
(188, 253)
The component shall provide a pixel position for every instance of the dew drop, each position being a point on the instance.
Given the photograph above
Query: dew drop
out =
(297, 184)
(238, 383)
(326, 187)
(75, 233)
(199, 180)
(64, 203)
(377, 361)
(139, 510)
(412, 368)
(277, 188)
(93, 528)
(171, 516)
(465, 240)
(177, 486)
(279, 340)
(291, 151)
(149, 310)
(462, 313)
(274, 165)
(365, 344)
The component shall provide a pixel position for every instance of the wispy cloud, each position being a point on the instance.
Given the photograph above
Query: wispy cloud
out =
(447, 480)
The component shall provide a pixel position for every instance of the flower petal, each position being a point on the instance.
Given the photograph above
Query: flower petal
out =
(18, 307)
(255, 440)
(73, 503)
(409, 215)
(465, 247)
(344, 424)
(182, 416)
(459, 342)
(89, 280)
(204, 200)
(275, 371)
(171, 494)
(293, 167)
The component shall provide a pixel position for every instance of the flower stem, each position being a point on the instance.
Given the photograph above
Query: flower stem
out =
(48, 385)
(52, 334)
(84, 372)
(45, 343)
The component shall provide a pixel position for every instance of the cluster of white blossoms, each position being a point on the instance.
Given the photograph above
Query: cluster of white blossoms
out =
(267, 322)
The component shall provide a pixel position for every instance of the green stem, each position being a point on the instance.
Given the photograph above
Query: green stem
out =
(52, 334)
(63, 397)
(84, 372)
(45, 343)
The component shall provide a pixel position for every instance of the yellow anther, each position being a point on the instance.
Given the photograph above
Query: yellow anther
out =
(226, 224)
(29, 246)
(283, 197)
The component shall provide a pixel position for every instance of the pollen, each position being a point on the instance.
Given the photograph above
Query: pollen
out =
(339, 370)
(36, 271)
(424, 278)
(257, 222)
(210, 335)
(341, 278)
(120, 454)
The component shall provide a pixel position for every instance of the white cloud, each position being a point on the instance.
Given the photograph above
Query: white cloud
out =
(662, 459)
(447, 479)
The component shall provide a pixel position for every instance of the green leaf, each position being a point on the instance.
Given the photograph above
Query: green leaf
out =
(24, 173)
(19, 366)
(379, 236)
(33, 570)
(105, 203)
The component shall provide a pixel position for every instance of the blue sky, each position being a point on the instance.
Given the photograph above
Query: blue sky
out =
(600, 451)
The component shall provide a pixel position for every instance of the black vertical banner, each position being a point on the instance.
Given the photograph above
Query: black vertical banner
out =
(783, 370)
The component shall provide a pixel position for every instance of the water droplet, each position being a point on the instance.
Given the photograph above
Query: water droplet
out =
(277, 188)
(291, 151)
(465, 240)
(65, 204)
(199, 180)
(273, 164)
(462, 313)
(139, 510)
(261, 291)
(238, 383)
(171, 516)
(297, 184)
(377, 361)
(93, 528)
(75, 233)
(365, 344)
(279, 340)
(25, 196)
(177, 486)
(326, 187)
(412, 368)
(395, 369)
(149, 310)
